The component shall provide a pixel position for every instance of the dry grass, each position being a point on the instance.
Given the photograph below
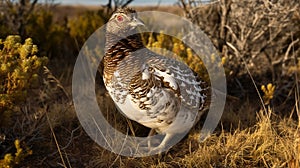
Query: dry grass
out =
(254, 138)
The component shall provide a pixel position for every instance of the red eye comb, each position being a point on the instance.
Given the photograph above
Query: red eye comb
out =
(120, 18)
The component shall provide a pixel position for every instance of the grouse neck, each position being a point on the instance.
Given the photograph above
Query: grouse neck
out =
(130, 43)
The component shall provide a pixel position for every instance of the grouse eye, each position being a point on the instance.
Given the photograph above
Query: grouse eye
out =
(120, 18)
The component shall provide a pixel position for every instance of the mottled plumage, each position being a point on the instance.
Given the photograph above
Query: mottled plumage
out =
(156, 91)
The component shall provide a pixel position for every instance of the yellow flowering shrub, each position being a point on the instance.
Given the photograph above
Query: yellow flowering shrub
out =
(10, 160)
(268, 93)
(19, 69)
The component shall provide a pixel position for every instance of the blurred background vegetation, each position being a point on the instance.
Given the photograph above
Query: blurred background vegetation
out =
(258, 41)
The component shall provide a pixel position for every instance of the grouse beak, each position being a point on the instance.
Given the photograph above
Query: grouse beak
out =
(136, 22)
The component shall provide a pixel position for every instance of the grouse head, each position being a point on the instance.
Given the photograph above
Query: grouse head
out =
(123, 23)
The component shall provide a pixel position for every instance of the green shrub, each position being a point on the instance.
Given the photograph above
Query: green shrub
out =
(86, 24)
(19, 69)
(51, 37)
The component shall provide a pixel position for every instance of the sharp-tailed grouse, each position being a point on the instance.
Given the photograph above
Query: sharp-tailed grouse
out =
(156, 91)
